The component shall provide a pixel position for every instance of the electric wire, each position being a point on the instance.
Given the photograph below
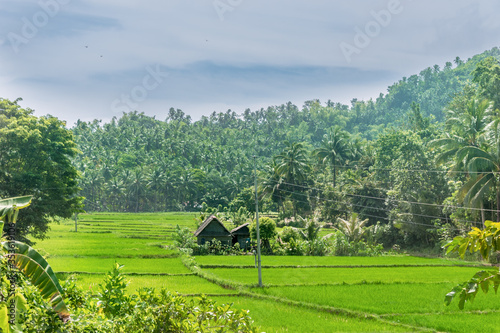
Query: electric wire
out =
(376, 208)
(395, 200)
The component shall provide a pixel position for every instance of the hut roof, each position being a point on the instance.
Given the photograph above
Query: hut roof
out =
(207, 222)
(241, 229)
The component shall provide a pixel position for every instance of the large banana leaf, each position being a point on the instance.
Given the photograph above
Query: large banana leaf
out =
(9, 206)
(38, 271)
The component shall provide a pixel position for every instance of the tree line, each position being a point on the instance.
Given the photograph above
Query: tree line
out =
(419, 160)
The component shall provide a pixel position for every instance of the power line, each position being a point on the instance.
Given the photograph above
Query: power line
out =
(376, 208)
(395, 200)
(387, 219)
(355, 167)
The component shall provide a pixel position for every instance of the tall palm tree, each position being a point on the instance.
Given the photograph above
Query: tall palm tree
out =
(272, 183)
(292, 165)
(115, 190)
(465, 129)
(471, 122)
(483, 164)
(154, 184)
(466, 147)
(334, 149)
(138, 187)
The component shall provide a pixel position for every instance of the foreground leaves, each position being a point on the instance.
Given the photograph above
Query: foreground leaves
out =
(467, 291)
(38, 271)
(483, 241)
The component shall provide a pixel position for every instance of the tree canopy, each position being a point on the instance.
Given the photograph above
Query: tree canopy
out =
(36, 155)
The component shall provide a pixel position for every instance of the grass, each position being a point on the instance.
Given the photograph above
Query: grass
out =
(313, 276)
(307, 294)
(249, 260)
(382, 299)
(182, 284)
(483, 322)
(132, 265)
(278, 317)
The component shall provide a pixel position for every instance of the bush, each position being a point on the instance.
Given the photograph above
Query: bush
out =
(113, 311)
(184, 238)
(289, 233)
(267, 230)
(342, 247)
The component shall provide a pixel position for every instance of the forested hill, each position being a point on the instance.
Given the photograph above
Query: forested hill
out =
(139, 163)
(432, 89)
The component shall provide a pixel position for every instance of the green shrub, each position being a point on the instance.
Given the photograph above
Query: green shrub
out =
(289, 233)
(112, 311)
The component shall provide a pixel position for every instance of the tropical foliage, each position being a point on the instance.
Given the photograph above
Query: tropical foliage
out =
(19, 257)
(486, 242)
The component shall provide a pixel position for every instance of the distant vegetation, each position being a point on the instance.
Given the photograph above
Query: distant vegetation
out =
(404, 160)
(418, 162)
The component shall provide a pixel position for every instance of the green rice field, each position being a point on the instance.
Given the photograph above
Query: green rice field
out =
(300, 294)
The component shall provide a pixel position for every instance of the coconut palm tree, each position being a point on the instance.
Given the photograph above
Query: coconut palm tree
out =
(483, 165)
(334, 149)
(466, 127)
(353, 228)
(469, 147)
(292, 165)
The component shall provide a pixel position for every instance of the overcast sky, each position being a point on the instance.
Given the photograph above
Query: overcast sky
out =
(98, 58)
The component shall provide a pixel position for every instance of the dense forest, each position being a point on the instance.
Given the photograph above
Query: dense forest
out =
(420, 162)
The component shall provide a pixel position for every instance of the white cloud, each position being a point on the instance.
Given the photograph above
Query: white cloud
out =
(263, 52)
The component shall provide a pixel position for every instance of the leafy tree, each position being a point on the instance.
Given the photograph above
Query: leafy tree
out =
(267, 231)
(416, 187)
(487, 76)
(36, 157)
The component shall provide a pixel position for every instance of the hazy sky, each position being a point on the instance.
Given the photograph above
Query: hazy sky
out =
(98, 58)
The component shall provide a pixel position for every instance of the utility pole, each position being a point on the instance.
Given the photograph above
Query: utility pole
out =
(257, 220)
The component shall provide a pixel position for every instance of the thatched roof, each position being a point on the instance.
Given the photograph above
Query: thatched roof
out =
(206, 223)
(241, 229)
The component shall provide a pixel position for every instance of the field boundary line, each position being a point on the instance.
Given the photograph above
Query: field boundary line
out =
(131, 273)
(211, 295)
(192, 265)
(440, 313)
(334, 310)
(340, 284)
(339, 266)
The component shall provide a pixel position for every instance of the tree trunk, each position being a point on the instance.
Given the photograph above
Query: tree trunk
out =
(482, 213)
(498, 205)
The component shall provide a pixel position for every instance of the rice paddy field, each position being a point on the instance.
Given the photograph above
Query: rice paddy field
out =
(300, 294)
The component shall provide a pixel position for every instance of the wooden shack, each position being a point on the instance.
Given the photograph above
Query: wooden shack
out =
(241, 235)
(211, 229)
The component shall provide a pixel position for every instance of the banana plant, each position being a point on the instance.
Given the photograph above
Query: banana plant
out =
(27, 260)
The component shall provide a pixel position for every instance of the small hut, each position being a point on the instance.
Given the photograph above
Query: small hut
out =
(211, 229)
(241, 235)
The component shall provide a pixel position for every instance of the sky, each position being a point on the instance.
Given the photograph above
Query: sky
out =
(95, 59)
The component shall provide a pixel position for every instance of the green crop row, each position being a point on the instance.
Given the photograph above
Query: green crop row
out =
(395, 299)
(280, 276)
(249, 260)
